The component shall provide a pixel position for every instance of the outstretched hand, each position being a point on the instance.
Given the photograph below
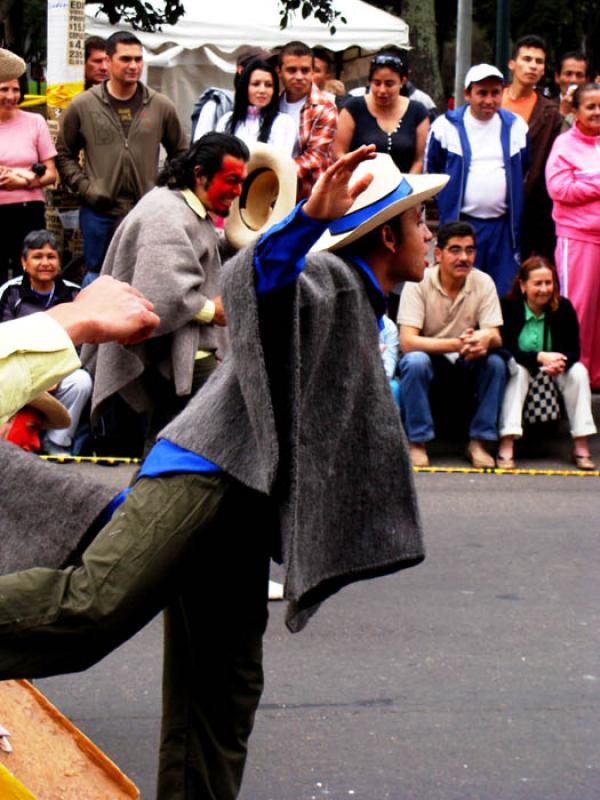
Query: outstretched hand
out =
(107, 311)
(332, 194)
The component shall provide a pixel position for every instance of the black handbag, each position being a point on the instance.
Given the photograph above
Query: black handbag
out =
(542, 403)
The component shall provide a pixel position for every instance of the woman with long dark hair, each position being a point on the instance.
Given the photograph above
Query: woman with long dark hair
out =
(256, 116)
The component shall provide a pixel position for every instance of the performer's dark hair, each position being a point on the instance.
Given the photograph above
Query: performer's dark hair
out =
(94, 43)
(241, 102)
(450, 229)
(120, 37)
(207, 153)
(35, 240)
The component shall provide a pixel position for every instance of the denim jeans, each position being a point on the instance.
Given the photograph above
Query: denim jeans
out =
(487, 376)
(97, 231)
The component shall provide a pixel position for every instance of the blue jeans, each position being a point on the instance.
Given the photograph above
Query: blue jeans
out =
(487, 376)
(97, 231)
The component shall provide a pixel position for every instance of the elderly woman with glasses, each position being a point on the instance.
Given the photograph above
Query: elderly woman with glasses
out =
(393, 123)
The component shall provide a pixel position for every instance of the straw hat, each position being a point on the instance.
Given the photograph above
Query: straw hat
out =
(11, 66)
(389, 194)
(54, 414)
(268, 195)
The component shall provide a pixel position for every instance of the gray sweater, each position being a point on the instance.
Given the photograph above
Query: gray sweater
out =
(172, 256)
(301, 410)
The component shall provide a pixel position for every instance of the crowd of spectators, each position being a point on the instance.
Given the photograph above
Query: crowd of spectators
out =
(514, 290)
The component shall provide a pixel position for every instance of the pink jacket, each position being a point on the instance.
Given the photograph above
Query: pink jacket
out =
(573, 181)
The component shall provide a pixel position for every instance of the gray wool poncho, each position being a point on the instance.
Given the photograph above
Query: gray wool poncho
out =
(45, 512)
(301, 410)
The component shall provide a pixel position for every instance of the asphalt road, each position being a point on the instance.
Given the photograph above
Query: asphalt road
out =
(475, 676)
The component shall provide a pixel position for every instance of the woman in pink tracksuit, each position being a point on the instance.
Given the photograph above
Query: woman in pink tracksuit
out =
(573, 181)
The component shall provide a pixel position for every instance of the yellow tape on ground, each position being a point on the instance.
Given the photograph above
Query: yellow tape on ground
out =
(91, 460)
(571, 473)
(59, 95)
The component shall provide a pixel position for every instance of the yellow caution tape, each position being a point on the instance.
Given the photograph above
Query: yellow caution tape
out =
(32, 100)
(498, 471)
(577, 473)
(66, 459)
(60, 94)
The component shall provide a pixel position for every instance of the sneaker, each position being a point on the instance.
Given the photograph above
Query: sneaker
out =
(275, 590)
(51, 449)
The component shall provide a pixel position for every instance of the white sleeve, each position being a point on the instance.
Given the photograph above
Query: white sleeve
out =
(283, 133)
(205, 120)
(222, 122)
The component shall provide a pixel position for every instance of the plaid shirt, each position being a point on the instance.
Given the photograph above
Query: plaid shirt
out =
(318, 122)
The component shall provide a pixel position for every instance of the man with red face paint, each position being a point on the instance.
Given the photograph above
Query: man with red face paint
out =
(42, 413)
(168, 248)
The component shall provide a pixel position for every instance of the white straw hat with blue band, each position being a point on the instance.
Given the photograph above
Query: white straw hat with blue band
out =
(389, 194)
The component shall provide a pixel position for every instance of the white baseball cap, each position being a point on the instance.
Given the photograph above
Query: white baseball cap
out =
(480, 72)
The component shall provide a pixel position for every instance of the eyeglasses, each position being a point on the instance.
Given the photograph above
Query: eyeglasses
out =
(381, 61)
(455, 250)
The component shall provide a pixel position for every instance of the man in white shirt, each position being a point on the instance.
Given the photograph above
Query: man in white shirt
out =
(484, 150)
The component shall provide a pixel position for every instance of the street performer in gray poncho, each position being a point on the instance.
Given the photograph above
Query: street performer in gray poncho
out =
(292, 449)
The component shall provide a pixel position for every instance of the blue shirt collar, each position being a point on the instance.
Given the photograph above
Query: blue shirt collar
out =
(368, 272)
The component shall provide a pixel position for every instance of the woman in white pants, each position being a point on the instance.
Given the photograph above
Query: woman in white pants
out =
(541, 331)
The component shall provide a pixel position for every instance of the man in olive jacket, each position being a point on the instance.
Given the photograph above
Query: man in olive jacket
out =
(120, 125)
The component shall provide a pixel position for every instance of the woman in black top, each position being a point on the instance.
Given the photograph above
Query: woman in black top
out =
(383, 117)
(541, 331)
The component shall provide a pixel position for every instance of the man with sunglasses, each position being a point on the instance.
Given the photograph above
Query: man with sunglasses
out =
(449, 326)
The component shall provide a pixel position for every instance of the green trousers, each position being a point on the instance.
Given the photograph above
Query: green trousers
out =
(187, 543)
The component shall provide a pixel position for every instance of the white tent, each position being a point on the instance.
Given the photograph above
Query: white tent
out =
(200, 50)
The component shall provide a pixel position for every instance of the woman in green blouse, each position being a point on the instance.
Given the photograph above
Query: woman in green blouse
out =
(541, 331)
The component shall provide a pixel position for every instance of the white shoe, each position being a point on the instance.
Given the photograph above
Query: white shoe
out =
(275, 590)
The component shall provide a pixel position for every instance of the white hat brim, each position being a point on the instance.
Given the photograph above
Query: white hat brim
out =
(270, 173)
(423, 188)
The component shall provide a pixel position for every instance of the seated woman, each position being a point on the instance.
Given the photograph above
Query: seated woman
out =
(383, 117)
(256, 116)
(38, 289)
(541, 331)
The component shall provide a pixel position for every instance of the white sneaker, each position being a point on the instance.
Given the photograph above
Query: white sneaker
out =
(275, 590)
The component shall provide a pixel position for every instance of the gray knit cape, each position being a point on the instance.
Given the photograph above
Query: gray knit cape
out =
(166, 251)
(45, 512)
(301, 410)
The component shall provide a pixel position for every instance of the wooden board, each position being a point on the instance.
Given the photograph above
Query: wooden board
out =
(51, 758)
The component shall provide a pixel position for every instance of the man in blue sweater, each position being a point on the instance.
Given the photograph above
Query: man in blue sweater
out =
(484, 150)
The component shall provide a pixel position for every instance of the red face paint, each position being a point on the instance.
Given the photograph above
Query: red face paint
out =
(225, 186)
(24, 430)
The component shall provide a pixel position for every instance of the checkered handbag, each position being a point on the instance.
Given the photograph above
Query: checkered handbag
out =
(542, 403)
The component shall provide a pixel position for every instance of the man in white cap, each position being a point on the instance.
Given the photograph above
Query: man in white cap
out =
(484, 149)
(293, 449)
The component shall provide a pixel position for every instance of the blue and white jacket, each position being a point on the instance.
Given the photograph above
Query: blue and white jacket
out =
(448, 151)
